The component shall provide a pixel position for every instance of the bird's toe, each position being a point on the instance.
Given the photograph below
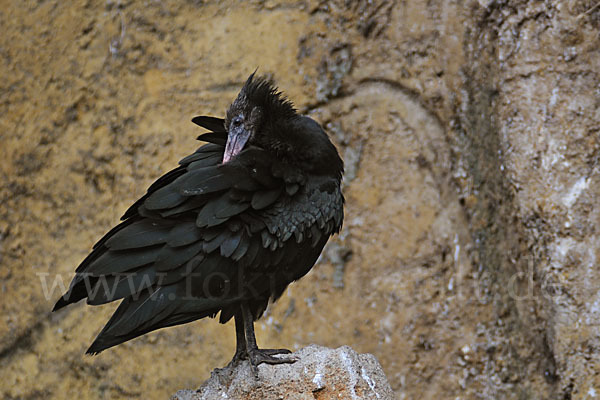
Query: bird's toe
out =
(260, 356)
(273, 352)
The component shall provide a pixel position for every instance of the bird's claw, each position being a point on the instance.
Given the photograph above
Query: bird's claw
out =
(238, 357)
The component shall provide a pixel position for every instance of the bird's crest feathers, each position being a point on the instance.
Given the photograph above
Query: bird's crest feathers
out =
(261, 91)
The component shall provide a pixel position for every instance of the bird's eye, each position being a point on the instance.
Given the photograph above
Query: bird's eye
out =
(236, 121)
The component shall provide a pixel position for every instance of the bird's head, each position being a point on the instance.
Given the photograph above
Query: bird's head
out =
(261, 116)
(255, 114)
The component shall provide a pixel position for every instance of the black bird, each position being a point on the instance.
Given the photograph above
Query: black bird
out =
(226, 231)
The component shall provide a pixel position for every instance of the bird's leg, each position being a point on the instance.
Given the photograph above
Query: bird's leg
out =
(240, 341)
(259, 356)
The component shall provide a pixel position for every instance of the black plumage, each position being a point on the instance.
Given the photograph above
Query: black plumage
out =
(225, 232)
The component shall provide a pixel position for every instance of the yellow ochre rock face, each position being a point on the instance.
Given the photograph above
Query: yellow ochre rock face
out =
(470, 137)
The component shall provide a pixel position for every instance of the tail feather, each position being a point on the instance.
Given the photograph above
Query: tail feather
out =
(154, 309)
(78, 291)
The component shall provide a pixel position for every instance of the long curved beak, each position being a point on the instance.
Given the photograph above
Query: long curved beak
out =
(236, 140)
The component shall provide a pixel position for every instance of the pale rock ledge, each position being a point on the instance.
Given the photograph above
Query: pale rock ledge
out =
(320, 373)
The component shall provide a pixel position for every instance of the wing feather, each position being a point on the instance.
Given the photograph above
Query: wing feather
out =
(210, 123)
(112, 262)
(142, 233)
(171, 257)
(183, 234)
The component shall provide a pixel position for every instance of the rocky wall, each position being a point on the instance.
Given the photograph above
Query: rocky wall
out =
(470, 133)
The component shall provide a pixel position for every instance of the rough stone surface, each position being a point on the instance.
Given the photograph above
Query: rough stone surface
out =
(470, 129)
(320, 373)
(536, 103)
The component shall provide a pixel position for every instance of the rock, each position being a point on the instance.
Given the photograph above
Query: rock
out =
(319, 373)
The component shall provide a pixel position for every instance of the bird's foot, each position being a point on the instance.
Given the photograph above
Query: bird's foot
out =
(238, 357)
(265, 356)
